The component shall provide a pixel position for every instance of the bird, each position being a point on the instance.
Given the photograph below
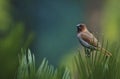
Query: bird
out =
(88, 40)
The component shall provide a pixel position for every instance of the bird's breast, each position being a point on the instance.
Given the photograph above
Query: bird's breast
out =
(82, 42)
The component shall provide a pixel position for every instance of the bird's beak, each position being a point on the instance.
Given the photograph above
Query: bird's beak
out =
(78, 27)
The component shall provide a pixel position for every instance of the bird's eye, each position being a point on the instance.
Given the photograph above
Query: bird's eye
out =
(82, 25)
(79, 27)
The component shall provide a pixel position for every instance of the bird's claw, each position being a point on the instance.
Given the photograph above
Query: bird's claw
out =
(87, 52)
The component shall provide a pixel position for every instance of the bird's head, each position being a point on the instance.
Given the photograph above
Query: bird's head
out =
(81, 28)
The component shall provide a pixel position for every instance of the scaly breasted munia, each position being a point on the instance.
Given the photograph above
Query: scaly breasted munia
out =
(88, 40)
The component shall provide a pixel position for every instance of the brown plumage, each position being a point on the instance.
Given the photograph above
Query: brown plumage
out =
(88, 40)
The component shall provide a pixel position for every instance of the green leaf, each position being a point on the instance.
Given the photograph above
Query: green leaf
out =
(27, 69)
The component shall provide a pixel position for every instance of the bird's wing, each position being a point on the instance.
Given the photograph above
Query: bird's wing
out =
(89, 38)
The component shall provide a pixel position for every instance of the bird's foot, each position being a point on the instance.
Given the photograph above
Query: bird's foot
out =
(87, 52)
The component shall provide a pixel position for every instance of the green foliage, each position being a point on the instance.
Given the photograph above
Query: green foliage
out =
(96, 66)
(110, 20)
(27, 69)
(13, 37)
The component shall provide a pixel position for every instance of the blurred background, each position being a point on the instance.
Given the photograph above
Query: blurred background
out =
(48, 28)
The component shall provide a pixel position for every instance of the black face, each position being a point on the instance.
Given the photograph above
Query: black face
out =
(80, 27)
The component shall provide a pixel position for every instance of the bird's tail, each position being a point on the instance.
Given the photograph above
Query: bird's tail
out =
(106, 52)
